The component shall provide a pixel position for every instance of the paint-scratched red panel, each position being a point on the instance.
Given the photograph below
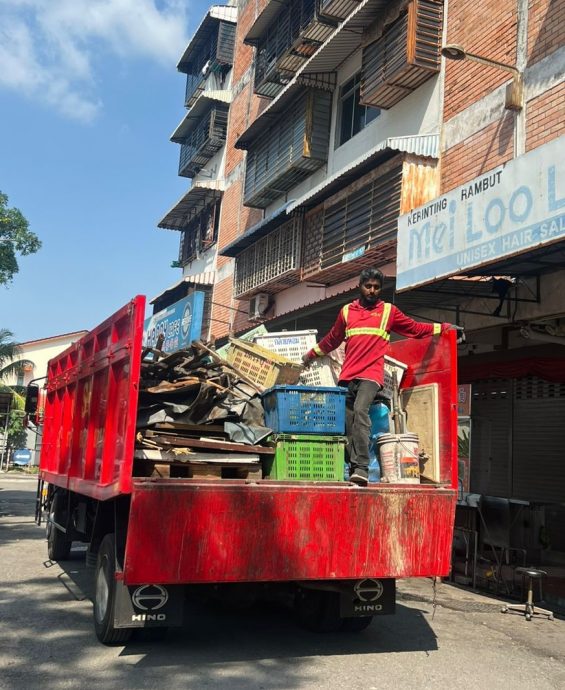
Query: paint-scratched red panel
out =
(91, 407)
(434, 360)
(220, 531)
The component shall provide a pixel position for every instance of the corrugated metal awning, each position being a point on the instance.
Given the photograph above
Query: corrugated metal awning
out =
(344, 41)
(265, 18)
(205, 101)
(425, 145)
(216, 13)
(255, 232)
(199, 196)
(207, 278)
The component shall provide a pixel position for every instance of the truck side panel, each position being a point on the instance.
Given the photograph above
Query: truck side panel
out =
(91, 407)
(228, 532)
(434, 360)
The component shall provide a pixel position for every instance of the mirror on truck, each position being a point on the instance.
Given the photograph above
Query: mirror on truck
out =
(32, 399)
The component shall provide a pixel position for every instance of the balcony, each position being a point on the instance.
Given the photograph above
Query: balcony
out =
(210, 51)
(285, 38)
(404, 57)
(289, 150)
(337, 9)
(202, 132)
(199, 235)
(270, 264)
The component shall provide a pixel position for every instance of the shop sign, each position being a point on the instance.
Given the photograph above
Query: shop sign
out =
(181, 323)
(509, 210)
(464, 400)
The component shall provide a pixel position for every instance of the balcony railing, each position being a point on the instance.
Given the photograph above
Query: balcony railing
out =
(284, 45)
(290, 150)
(212, 53)
(271, 263)
(204, 141)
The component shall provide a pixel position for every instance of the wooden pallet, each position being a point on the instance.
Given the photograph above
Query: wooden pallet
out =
(165, 464)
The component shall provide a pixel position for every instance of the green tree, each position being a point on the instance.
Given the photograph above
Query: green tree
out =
(15, 238)
(17, 434)
(10, 365)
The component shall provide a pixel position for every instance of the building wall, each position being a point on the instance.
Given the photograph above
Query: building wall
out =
(40, 352)
(478, 133)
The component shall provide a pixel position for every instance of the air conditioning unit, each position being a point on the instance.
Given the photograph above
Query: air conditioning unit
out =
(258, 306)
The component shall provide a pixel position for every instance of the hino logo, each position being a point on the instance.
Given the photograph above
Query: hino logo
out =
(150, 598)
(368, 590)
(148, 617)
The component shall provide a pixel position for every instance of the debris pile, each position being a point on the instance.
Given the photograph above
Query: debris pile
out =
(198, 416)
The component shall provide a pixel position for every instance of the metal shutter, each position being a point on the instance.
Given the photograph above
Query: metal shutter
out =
(539, 440)
(491, 438)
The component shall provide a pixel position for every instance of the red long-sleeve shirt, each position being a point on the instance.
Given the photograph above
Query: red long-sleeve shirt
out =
(366, 331)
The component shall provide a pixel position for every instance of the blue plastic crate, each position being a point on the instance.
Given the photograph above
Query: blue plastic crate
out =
(305, 410)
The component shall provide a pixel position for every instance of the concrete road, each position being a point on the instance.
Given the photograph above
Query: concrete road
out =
(47, 641)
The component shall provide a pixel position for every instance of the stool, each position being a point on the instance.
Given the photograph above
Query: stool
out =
(528, 608)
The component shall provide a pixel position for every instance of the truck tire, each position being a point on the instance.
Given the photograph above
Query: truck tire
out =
(105, 595)
(356, 624)
(318, 610)
(58, 546)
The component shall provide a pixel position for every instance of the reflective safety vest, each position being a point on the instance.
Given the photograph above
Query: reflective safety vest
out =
(380, 330)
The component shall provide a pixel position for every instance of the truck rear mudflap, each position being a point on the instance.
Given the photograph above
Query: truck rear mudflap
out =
(225, 531)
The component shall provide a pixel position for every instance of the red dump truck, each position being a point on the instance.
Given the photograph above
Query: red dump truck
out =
(335, 547)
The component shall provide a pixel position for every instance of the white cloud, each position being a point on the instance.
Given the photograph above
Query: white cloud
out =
(49, 48)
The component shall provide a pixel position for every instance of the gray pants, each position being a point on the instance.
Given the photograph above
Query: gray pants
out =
(361, 394)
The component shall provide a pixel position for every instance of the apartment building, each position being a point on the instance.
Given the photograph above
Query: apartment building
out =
(333, 132)
(207, 63)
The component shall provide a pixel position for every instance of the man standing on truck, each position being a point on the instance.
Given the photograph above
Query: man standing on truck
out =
(365, 325)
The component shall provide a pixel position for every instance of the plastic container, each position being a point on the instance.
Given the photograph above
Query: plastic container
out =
(399, 458)
(293, 345)
(380, 418)
(263, 367)
(305, 410)
(306, 458)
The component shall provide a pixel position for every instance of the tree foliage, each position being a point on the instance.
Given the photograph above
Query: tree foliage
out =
(15, 238)
(17, 434)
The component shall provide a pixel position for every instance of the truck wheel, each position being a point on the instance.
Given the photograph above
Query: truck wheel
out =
(105, 595)
(58, 546)
(318, 610)
(356, 624)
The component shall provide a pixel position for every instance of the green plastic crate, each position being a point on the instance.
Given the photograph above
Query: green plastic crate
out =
(306, 458)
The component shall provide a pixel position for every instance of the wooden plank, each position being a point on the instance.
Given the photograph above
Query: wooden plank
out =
(196, 428)
(183, 442)
(217, 458)
(421, 406)
(161, 470)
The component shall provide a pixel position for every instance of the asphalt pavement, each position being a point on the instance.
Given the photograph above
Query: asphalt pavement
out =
(47, 639)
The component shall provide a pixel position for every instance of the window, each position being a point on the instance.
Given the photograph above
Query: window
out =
(353, 117)
(20, 381)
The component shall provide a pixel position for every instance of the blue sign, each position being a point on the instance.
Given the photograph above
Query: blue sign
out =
(21, 457)
(510, 210)
(181, 323)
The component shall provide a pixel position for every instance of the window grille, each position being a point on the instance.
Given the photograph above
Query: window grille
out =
(204, 141)
(290, 150)
(215, 55)
(295, 34)
(200, 234)
(272, 261)
(404, 57)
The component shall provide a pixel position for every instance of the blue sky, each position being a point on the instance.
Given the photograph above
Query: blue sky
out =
(89, 95)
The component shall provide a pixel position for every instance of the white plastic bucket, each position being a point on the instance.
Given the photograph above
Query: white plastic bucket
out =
(399, 456)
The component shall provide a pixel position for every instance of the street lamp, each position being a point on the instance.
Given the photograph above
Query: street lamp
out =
(514, 91)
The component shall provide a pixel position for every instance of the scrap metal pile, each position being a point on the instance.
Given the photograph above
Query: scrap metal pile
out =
(198, 416)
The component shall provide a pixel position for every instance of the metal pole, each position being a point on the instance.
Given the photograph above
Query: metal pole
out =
(5, 444)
